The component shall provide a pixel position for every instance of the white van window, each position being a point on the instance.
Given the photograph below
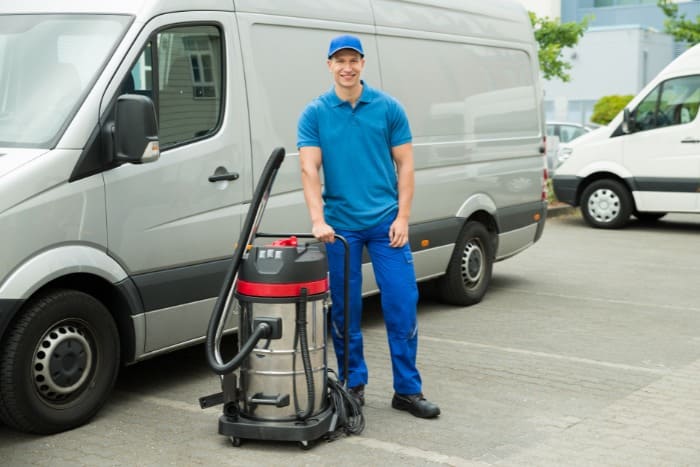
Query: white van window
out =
(49, 63)
(673, 102)
(189, 70)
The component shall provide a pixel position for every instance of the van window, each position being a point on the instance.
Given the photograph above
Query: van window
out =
(188, 93)
(48, 64)
(673, 102)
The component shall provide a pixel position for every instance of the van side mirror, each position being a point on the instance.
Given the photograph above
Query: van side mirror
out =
(628, 123)
(136, 130)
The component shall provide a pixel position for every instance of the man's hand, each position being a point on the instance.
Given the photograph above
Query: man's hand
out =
(398, 233)
(323, 232)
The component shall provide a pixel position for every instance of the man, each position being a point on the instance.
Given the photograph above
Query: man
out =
(361, 138)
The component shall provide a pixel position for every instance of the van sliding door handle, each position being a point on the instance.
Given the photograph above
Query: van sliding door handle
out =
(690, 140)
(219, 177)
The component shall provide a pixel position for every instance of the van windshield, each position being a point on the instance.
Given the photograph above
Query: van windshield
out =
(48, 63)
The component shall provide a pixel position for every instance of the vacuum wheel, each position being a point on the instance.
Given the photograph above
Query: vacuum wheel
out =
(235, 441)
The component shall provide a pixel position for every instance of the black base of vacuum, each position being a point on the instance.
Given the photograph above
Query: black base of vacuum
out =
(305, 432)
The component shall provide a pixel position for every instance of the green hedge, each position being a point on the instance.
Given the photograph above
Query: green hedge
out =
(607, 107)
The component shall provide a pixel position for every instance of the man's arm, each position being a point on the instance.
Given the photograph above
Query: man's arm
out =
(310, 160)
(403, 158)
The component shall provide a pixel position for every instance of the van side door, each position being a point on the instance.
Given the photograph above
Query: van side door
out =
(663, 151)
(173, 223)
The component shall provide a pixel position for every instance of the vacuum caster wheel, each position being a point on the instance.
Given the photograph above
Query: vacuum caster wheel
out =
(235, 441)
(306, 445)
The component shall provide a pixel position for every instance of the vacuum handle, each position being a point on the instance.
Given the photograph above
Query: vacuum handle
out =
(346, 309)
(278, 400)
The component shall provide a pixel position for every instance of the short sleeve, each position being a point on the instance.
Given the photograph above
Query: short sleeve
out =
(307, 128)
(400, 128)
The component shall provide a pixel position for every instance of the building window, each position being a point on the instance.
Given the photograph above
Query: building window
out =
(200, 51)
(606, 3)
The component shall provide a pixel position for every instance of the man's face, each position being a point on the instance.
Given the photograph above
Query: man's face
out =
(346, 66)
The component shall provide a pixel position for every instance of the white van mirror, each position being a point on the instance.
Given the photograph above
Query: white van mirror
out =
(136, 130)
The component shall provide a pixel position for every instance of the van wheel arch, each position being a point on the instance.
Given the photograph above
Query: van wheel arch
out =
(120, 306)
(594, 178)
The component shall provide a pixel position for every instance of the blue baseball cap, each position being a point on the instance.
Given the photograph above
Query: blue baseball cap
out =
(345, 41)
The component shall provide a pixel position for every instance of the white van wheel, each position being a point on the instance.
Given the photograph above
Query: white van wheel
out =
(469, 271)
(606, 204)
(58, 363)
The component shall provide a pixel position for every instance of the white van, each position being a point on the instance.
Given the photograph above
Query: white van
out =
(132, 134)
(646, 161)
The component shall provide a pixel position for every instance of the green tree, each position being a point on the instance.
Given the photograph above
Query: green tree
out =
(677, 25)
(607, 107)
(552, 37)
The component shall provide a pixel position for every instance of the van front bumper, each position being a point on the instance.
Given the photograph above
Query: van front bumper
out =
(566, 188)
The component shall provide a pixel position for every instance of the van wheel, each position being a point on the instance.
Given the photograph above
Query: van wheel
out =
(58, 363)
(469, 271)
(606, 204)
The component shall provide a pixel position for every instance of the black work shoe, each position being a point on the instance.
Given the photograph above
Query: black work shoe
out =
(358, 393)
(416, 404)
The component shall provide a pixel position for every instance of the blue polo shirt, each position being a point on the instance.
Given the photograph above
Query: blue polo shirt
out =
(360, 184)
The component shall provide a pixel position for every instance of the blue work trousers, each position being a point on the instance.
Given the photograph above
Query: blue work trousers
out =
(396, 278)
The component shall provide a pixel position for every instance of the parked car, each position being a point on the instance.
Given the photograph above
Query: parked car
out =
(566, 131)
(558, 135)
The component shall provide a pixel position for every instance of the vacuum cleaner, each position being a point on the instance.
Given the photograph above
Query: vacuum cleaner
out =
(278, 385)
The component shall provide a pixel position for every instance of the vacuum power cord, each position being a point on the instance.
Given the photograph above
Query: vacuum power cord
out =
(351, 421)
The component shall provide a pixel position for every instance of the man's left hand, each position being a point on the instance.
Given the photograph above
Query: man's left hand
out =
(398, 233)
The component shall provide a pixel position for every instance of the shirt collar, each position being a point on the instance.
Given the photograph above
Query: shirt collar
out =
(366, 96)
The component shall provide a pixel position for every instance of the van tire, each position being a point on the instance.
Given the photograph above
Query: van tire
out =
(469, 271)
(606, 204)
(58, 363)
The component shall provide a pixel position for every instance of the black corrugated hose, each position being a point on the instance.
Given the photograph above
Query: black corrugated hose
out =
(305, 358)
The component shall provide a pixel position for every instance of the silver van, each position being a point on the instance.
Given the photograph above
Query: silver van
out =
(132, 134)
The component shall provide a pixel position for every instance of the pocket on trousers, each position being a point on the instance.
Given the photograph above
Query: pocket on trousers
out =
(408, 256)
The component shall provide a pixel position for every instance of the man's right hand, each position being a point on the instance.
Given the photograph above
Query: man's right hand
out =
(323, 232)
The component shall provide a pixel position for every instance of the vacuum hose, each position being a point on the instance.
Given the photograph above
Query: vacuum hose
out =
(224, 301)
(305, 358)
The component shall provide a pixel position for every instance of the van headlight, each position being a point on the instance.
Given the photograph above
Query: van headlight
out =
(563, 153)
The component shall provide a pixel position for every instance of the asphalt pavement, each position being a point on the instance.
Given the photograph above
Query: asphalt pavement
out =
(585, 351)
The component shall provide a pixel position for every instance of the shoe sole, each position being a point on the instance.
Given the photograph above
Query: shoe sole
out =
(409, 408)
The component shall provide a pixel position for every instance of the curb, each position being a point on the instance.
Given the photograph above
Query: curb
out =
(561, 210)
